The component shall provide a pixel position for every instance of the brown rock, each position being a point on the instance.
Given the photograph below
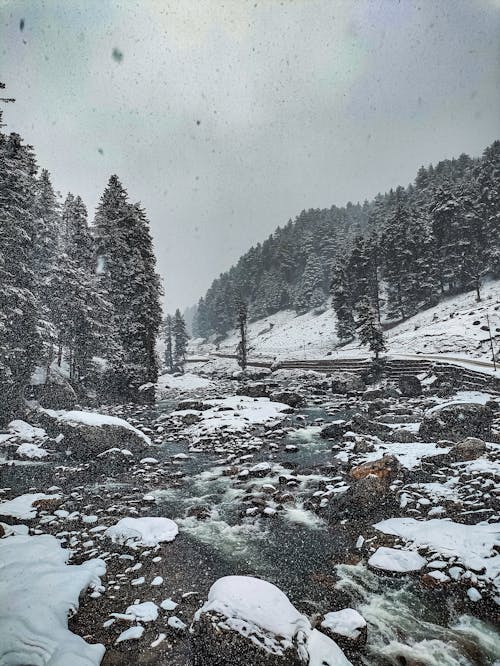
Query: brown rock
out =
(385, 469)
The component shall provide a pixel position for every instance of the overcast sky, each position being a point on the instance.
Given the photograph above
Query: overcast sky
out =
(225, 119)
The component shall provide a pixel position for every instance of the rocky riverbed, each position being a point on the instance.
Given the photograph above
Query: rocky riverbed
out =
(374, 510)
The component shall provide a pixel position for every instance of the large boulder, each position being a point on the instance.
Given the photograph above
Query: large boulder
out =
(346, 382)
(87, 434)
(456, 421)
(410, 386)
(289, 398)
(469, 448)
(55, 396)
(247, 620)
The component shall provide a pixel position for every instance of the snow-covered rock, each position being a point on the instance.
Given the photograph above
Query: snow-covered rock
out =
(37, 591)
(31, 451)
(25, 507)
(89, 433)
(26, 431)
(400, 561)
(146, 531)
(475, 546)
(346, 622)
(456, 421)
(247, 620)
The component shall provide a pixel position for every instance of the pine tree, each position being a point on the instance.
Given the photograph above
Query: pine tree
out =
(48, 224)
(310, 293)
(168, 329)
(180, 339)
(129, 283)
(20, 342)
(368, 328)
(242, 350)
(77, 312)
(201, 324)
(342, 302)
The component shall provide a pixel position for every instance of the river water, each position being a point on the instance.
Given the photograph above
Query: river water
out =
(295, 549)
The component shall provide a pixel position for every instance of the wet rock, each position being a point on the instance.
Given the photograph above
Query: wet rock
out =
(410, 386)
(254, 390)
(469, 449)
(456, 422)
(199, 512)
(346, 382)
(288, 398)
(334, 430)
(195, 405)
(385, 469)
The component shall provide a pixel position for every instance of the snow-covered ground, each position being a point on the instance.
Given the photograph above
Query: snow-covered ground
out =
(455, 326)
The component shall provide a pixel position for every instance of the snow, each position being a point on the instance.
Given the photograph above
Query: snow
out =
(37, 591)
(168, 604)
(22, 508)
(26, 431)
(145, 612)
(131, 634)
(462, 398)
(324, 652)
(27, 450)
(409, 455)
(346, 622)
(146, 531)
(94, 419)
(236, 413)
(473, 545)
(401, 561)
(186, 382)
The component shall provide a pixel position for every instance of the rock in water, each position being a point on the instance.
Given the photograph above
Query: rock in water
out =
(288, 398)
(456, 421)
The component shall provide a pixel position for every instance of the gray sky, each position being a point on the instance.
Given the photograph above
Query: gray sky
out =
(225, 119)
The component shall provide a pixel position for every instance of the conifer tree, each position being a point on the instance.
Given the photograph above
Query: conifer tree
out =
(20, 342)
(168, 329)
(129, 283)
(342, 302)
(242, 350)
(368, 328)
(180, 339)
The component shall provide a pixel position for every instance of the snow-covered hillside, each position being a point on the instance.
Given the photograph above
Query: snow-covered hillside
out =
(457, 325)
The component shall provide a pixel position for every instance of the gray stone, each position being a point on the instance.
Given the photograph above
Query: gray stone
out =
(87, 441)
(410, 386)
(469, 448)
(346, 382)
(456, 422)
(288, 398)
